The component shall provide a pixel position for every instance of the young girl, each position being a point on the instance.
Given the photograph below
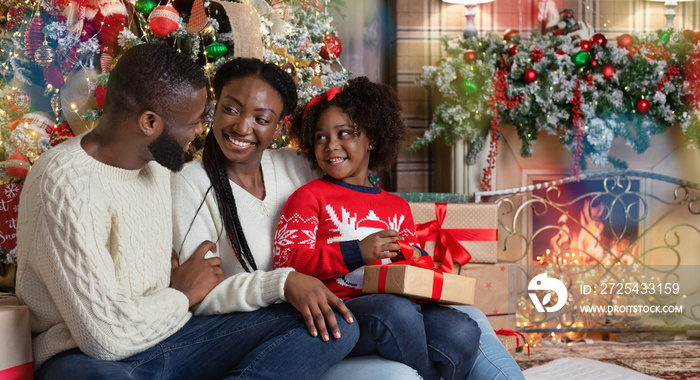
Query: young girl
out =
(331, 227)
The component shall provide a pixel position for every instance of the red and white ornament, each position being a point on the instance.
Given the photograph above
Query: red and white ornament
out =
(18, 100)
(643, 105)
(332, 47)
(163, 20)
(17, 165)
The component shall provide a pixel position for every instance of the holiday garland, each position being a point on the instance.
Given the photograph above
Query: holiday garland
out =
(585, 92)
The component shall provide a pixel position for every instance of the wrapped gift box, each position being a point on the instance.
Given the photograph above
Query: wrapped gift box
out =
(15, 343)
(475, 226)
(513, 341)
(416, 282)
(492, 286)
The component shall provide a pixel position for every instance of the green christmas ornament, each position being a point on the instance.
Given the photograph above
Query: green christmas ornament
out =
(216, 50)
(664, 36)
(145, 6)
(468, 87)
(582, 59)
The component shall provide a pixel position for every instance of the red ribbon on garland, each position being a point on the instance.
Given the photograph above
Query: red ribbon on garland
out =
(517, 336)
(424, 262)
(448, 248)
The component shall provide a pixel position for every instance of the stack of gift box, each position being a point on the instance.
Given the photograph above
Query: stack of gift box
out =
(15, 340)
(462, 239)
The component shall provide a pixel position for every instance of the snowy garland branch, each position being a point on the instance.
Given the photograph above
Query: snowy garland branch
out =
(637, 86)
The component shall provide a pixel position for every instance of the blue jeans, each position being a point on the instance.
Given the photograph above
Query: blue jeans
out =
(436, 341)
(493, 360)
(269, 343)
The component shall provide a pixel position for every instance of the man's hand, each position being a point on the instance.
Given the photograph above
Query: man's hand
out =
(197, 276)
(379, 245)
(314, 301)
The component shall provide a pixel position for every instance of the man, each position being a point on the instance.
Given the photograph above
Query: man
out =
(95, 240)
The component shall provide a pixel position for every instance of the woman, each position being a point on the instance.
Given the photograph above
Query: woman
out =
(240, 187)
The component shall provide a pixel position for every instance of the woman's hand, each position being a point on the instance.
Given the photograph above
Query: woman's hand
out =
(379, 245)
(197, 276)
(314, 301)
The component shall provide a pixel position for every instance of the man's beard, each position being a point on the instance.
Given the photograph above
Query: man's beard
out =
(167, 152)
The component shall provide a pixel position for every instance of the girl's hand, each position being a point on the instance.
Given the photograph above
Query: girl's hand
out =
(379, 245)
(313, 299)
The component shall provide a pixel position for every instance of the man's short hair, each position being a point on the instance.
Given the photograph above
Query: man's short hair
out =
(152, 77)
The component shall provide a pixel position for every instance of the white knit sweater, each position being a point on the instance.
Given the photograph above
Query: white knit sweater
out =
(283, 172)
(94, 256)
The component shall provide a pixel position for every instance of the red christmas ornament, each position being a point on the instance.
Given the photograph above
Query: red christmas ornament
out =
(513, 49)
(643, 105)
(625, 41)
(17, 165)
(594, 63)
(530, 75)
(34, 36)
(559, 52)
(163, 20)
(537, 55)
(332, 47)
(70, 59)
(599, 39)
(585, 45)
(100, 95)
(469, 55)
(53, 76)
(608, 71)
(18, 100)
(509, 33)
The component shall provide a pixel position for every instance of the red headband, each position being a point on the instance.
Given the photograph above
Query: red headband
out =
(328, 95)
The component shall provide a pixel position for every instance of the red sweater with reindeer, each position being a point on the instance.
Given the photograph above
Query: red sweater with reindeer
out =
(322, 224)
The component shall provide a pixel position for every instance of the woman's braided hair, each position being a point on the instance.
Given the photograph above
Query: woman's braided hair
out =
(213, 157)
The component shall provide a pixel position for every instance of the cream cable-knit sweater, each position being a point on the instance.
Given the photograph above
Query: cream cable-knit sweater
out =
(94, 256)
(283, 172)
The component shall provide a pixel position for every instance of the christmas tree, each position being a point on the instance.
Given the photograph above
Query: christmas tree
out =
(56, 55)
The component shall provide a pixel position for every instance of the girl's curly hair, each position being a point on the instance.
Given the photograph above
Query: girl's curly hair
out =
(373, 109)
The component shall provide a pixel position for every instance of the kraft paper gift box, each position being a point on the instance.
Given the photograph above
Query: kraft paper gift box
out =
(419, 283)
(492, 287)
(512, 340)
(472, 226)
(15, 343)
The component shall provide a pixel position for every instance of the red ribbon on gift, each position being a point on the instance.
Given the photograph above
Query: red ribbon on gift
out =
(447, 248)
(21, 372)
(517, 336)
(424, 262)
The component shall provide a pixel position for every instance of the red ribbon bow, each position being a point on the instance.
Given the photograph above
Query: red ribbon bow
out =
(447, 248)
(423, 262)
(328, 95)
(517, 336)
